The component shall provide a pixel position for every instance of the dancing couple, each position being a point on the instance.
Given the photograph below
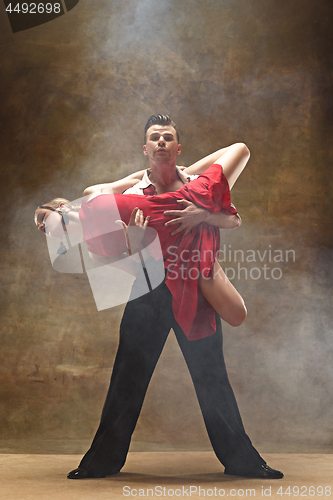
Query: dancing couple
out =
(186, 207)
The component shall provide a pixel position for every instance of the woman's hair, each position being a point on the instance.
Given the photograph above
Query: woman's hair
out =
(54, 204)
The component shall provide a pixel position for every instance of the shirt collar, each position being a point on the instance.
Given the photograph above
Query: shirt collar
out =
(145, 182)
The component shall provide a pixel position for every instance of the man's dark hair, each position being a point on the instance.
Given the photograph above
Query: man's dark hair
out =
(160, 120)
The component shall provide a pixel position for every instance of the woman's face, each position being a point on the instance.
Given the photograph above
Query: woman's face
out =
(49, 222)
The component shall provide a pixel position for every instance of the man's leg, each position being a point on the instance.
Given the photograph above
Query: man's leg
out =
(224, 425)
(206, 364)
(143, 332)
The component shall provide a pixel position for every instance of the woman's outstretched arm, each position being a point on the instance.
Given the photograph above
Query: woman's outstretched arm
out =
(233, 161)
(232, 158)
(199, 167)
(116, 187)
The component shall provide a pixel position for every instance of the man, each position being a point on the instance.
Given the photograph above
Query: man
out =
(146, 324)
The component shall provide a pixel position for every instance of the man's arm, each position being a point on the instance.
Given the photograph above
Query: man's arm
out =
(116, 186)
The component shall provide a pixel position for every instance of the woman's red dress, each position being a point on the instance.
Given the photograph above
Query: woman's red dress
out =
(184, 259)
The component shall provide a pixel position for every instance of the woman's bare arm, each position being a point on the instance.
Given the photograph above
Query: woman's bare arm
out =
(232, 158)
(233, 161)
(116, 186)
(199, 167)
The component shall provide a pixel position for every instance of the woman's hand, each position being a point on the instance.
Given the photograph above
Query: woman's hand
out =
(135, 230)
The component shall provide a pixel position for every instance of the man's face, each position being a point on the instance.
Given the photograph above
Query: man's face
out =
(161, 143)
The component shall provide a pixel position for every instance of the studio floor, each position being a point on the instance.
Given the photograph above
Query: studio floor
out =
(166, 475)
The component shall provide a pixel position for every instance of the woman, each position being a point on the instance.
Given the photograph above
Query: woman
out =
(189, 260)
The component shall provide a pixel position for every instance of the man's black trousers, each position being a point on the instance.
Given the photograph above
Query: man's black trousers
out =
(144, 329)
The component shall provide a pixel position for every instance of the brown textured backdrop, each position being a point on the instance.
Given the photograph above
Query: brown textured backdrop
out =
(75, 94)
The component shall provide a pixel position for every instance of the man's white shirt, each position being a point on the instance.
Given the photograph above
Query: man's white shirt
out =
(146, 182)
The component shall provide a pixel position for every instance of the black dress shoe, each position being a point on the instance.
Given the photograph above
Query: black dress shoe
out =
(261, 471)
(81, 473)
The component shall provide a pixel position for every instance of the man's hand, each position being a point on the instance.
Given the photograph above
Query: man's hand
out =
(191, 216)
(135, 230)
(187, 217)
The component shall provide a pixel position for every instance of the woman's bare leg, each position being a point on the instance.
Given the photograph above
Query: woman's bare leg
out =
(218, 291)
(223, 297)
